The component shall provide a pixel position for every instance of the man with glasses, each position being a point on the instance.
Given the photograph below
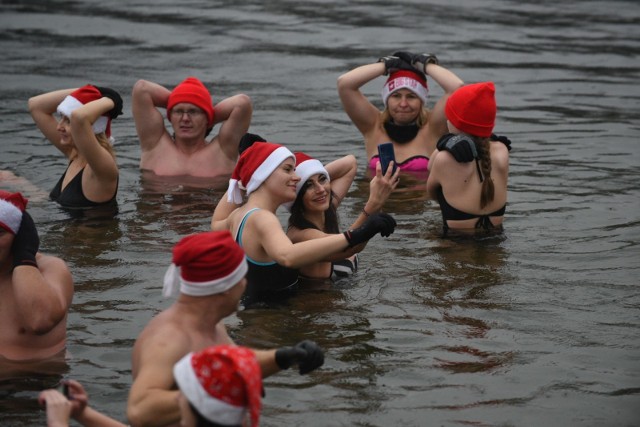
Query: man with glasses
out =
(192, 115)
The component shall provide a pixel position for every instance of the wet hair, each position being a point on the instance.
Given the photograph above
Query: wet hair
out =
(298, 220)
(484, 155)
(421, 120)
(201, 421)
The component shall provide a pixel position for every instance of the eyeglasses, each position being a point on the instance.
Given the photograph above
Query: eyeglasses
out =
(191, 113)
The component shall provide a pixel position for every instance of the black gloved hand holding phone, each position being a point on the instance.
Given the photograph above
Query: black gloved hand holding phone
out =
(306, 354)
(378, 222)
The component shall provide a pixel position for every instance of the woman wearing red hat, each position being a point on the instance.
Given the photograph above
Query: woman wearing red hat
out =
(314, 212)
(83, 134)
(266, 173)
(468, 171)
(405, 120)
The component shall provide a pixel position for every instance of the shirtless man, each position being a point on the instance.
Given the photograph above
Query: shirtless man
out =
(192, 115)
(35, 289)
(209, 268)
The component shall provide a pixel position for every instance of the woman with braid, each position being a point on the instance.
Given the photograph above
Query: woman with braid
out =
(469, 169)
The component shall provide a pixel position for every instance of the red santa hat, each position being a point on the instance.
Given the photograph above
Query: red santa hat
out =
(192, 91)
(80, 97)
(12, 205)
(306, 167)
(406, 79)
(223, 383)
(472, 108)
(254, 166)
(205, 264)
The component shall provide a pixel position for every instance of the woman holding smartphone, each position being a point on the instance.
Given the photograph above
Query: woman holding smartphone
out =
(83, 134)
(266, 173)
(469, 171)
(405, 120)
(314, 211)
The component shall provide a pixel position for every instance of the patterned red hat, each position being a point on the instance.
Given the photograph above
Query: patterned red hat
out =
(223, 383)
(306, 167)
(192, 91)
(254, 166)
(406, 79)
(80, 97)
(472, 108)
(12, 205)
(205, 264)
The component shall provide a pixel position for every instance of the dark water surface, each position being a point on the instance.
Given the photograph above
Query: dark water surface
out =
(539, 326)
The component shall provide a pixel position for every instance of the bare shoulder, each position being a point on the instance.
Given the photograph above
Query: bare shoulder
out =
(52, 265)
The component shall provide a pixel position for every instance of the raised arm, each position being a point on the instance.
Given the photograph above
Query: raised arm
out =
(221, 213)
(362, 113)
(380, 188)
(101, 161)
(235, 114)
(42, 109)
(342, 172)
(146, 98)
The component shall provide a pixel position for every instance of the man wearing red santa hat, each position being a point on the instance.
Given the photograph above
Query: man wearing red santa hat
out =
(209, 271)
(190, 110)
(35, 289)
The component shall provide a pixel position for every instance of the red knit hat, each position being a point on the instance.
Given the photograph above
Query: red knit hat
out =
(406, 79)
(306, 167)
(222, 382)
(254, 166)
(12, 205)
(472, 108)
(192, 91)
(80, 97)
(209, 263)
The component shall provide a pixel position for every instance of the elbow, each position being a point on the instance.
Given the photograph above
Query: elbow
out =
(31, 105)
(140, 86)
(136, 417)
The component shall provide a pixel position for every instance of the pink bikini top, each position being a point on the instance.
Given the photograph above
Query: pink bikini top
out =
(412, 164)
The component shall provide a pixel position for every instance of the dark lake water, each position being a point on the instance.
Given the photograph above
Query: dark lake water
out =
(539, 326)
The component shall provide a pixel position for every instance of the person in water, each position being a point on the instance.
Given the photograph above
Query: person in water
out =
(83, 134)
(190, 110)
(218, 386)
(266, 172)
(469, 169)
(314, 212)
(208, 272)
(405, 121)
(36, 290)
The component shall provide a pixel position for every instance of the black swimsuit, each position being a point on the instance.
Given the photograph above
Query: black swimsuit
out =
(73, 197)
(453, 214)
(265, 279)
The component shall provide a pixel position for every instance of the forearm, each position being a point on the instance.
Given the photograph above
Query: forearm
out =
(447, 80)
(47, 103)
(267, 361)
(356, 78)
(311, 251)
(157, 94)
(156, 407)
(92, 418)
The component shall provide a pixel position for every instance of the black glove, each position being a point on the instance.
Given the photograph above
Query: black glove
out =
(247, 141)
(393, 63)
(306, 354)
(115, 97)
(376, 223)
(407, 57)
(424, 59)
(506, 141)
(26, 243)
(461, 146)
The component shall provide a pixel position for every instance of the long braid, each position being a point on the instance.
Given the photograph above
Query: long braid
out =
(488, 191)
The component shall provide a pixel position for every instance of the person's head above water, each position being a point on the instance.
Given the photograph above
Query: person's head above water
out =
(192, 91)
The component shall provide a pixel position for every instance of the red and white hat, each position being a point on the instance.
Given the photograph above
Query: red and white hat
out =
(306, 167)
(192, 91)
(223, 383)
(254, 166)
(472, 108)
(406, 79)
(80, 97)
(205, 264)
(12, 205)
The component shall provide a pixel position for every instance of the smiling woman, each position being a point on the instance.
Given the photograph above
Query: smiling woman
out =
(266, 172)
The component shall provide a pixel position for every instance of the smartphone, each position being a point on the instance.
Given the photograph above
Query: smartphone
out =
(386, 154)
(64, 389)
